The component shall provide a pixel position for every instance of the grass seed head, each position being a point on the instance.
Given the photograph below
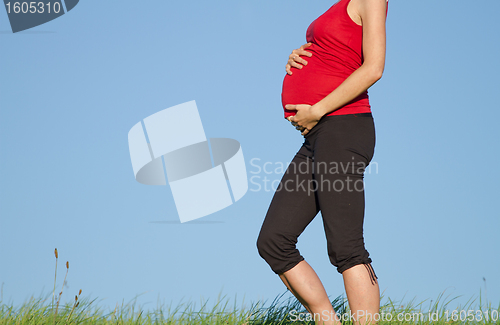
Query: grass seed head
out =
(55, 253)
(67, 264)
(80, 292)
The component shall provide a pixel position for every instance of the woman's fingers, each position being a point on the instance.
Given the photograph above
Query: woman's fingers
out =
(291, 63)
(295, 64)
(299, 60)
(305, 45)
(303, 130)
(305, 122)
(296, 56)
(293, 122)
(303, 52)
(295, 60)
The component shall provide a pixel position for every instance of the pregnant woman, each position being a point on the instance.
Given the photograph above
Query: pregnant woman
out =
(325, 97)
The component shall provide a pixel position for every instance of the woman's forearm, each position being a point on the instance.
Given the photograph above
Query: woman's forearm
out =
(359, 81)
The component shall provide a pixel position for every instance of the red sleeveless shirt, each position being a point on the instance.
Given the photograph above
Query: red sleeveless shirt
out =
(336, 53)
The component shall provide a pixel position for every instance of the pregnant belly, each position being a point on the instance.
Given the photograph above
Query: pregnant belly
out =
(307, 88)
(308, 85)
(314, 82)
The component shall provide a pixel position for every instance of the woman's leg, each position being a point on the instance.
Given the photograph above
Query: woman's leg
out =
(306, 286)
(292, 208)
(341, 154)
(363, 293)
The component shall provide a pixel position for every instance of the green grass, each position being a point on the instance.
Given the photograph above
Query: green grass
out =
(280, 311)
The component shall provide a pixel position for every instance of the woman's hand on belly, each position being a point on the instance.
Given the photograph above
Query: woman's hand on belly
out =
(306, 118)
(294, 59)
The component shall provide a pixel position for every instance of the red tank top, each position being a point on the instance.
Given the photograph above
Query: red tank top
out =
(336, 53)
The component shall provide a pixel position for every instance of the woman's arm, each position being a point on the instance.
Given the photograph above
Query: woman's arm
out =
(373, 16)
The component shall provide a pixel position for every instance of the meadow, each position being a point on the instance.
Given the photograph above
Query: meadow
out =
(280, 311)
(284, 309)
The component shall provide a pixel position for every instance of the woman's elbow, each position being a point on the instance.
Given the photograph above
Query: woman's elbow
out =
(376, 73)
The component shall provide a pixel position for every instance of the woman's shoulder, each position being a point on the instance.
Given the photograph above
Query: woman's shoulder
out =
(359, 8)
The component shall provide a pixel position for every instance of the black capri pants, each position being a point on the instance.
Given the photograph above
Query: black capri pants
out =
(325, 175)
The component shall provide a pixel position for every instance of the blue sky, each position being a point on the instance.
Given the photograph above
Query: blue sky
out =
(72, 88)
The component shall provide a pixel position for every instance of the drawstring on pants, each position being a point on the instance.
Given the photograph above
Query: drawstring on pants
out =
(370, 270)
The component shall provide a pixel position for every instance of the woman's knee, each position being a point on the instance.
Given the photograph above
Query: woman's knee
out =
(262, 244)
(278, 251)
(268, 244)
